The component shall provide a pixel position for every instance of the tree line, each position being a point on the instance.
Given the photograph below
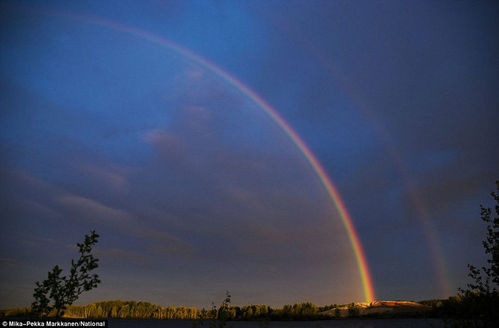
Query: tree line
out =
(145, 310)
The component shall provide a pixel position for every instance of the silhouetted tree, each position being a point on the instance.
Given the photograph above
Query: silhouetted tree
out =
(56, 292)
(481, 298)
(488, 282)
(225, 310)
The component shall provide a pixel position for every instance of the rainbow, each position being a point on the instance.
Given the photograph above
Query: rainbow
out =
(332, 191)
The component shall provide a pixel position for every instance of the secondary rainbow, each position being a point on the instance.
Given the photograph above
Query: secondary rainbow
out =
(421, 208)
(274, 115)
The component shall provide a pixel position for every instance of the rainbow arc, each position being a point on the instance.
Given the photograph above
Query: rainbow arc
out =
(332, 191)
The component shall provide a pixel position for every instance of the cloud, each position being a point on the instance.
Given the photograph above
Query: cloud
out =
(40, 209)
(108, 176)
(94, 211)
(89, 210)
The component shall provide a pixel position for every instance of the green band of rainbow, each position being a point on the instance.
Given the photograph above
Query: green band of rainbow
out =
(321, 173)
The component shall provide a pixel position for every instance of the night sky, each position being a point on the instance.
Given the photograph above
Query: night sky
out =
(195, 189)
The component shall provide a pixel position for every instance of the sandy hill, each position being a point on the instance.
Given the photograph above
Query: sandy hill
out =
(378, 307)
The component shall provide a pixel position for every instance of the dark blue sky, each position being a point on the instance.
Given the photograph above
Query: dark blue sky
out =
(195, 190)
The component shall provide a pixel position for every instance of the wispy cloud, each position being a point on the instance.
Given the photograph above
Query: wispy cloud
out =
(93, 210)
(113, 176)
